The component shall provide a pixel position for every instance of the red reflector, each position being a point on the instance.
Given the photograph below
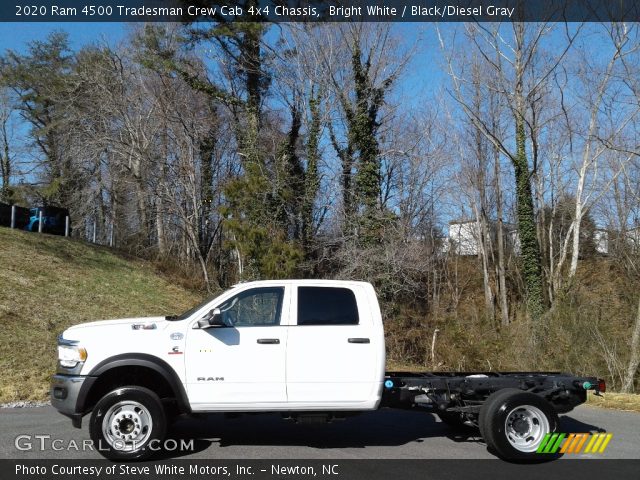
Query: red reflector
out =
(602, 386)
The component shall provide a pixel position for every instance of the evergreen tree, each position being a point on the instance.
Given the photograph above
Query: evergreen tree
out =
(40, 79)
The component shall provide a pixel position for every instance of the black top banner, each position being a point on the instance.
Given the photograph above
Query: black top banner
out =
(320, 10)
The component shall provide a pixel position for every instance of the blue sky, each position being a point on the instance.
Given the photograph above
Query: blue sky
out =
(15, 36)
(421, 74)
(419, 87)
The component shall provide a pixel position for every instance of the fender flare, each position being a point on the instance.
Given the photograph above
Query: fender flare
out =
(140, 360)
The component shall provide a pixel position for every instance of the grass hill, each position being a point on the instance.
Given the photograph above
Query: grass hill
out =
(48, 283)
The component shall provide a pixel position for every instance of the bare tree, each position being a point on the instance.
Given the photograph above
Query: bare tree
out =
(600, 135)
(517, 74)
(6, 154)
(359, 78)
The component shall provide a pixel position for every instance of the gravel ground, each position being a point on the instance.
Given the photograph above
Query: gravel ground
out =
(24, 404)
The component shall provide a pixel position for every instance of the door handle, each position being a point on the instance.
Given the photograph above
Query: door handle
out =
(266, 341)
(359, 340)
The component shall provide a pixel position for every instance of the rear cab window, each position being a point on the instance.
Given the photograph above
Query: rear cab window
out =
(327, 306)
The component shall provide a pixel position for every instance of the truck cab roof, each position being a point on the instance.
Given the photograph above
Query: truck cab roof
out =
(303, 282)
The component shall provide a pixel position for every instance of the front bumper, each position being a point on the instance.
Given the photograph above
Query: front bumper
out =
(68, 394)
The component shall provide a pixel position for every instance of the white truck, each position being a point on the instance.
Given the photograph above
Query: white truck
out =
(307, 348)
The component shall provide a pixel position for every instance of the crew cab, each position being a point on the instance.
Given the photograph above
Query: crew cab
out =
(306, 348)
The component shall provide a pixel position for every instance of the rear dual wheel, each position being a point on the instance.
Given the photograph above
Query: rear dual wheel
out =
(514, 423)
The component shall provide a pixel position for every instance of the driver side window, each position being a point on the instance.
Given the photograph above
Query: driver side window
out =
(257, 307)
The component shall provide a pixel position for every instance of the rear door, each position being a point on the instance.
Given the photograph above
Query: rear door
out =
(331, 353)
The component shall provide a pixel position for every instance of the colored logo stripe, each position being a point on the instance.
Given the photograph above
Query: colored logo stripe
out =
(570, 441)
(557, 443)
(543, 443)
(598, 443)
(548, 443)
(582, 440)
(573, 443)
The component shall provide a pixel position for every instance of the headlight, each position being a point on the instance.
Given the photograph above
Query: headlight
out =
(70, 355)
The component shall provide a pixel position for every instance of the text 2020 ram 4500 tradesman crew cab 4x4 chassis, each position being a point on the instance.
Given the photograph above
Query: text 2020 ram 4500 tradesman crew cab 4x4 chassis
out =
(305, 348)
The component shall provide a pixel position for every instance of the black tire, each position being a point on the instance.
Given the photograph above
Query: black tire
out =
(139, 414)
(172, 412)
(539, 417)
(454, 420)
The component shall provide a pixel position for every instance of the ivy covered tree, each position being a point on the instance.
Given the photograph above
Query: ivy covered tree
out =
(359, 154)
(311, 178)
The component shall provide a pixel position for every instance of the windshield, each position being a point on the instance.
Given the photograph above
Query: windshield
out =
(191, 311)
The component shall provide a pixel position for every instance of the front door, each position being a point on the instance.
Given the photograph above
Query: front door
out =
(242, 363)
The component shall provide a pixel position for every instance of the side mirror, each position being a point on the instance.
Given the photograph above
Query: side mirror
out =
(211, 319)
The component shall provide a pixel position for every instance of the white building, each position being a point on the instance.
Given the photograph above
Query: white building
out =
(463, 238)
(601, 241)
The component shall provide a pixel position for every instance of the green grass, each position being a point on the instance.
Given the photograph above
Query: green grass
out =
(48, 283)
(616, 401)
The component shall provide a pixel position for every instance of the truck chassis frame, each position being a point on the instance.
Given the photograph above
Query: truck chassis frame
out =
(465, 392)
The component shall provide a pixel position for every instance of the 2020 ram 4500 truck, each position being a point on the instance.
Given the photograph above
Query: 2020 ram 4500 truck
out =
(305, 348)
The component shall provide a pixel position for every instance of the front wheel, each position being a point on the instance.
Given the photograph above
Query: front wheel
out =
(514, 423)
(128, 423)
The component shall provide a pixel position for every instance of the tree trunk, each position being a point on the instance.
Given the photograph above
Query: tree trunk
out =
(142, 211)
(634, 358)
(483, 234)
(311, 180)
(502, 283)
(485, 245)
(530, 250)
(160, 231)
(5, 164)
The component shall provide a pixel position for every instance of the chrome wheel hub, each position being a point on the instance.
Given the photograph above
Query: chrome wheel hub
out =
(127, 426)
(525, 427)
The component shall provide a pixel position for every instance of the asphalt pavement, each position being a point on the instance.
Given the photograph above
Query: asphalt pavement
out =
(43, 433)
